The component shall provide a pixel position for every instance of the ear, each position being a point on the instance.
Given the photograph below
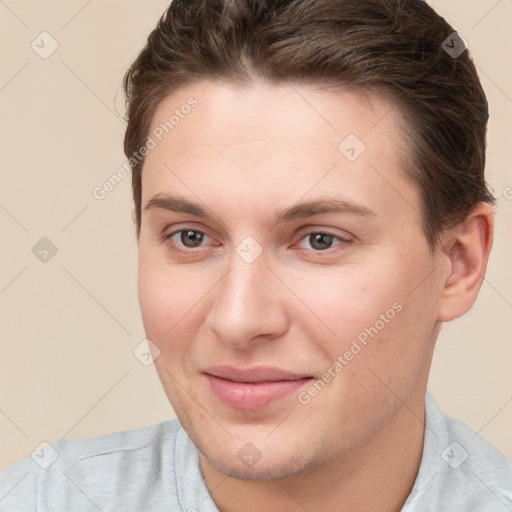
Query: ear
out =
(464, 254)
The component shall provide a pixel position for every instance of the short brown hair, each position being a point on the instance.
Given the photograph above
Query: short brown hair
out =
(393, 45)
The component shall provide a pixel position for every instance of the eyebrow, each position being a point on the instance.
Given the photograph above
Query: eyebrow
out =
(298, 211)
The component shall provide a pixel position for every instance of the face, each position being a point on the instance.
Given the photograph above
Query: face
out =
(284, 274)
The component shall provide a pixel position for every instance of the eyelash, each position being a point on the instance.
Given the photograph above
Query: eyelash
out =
(173, 246)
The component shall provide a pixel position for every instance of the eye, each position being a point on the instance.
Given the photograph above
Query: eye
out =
(317, 241)
(321, 241)
(189, 238)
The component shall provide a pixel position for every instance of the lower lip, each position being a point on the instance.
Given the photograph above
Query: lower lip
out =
(251, 396)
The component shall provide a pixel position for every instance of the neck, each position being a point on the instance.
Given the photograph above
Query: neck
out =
(378, 474)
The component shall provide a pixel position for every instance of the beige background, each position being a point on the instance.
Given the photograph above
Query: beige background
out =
(70, 325)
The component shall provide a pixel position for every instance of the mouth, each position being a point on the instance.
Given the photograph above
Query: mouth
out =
(252, 389)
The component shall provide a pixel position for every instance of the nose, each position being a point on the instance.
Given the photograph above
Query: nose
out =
(248, 305)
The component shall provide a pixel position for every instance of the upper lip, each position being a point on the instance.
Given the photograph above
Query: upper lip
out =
(254, 374)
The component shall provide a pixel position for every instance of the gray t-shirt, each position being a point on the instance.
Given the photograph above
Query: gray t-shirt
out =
(157, 468)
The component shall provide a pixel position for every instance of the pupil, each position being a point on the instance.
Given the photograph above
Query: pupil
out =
(320, 240)
(194, 236)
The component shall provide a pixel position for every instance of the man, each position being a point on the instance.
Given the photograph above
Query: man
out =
(310, 206)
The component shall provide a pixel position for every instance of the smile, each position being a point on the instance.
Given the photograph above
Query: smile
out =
(253, 389)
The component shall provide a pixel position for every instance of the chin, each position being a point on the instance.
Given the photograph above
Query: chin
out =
(273, 468)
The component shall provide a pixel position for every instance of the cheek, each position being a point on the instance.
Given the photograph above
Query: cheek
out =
(164, 296)
(382, 344)
(382, 317)
(347, 300)
(173, 302)
(154, 298)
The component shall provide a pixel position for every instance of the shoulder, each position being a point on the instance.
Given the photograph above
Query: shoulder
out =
(121, 443)
(93, 473)
(477, 467)
(459, 470)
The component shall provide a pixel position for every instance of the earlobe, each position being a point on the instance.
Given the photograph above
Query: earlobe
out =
(465, 252)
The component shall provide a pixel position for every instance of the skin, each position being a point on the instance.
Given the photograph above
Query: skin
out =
(242, 154)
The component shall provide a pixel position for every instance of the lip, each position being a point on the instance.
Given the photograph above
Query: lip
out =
(253, 388)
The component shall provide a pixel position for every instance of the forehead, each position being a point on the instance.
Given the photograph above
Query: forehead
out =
(227, 114)
(279, 141)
